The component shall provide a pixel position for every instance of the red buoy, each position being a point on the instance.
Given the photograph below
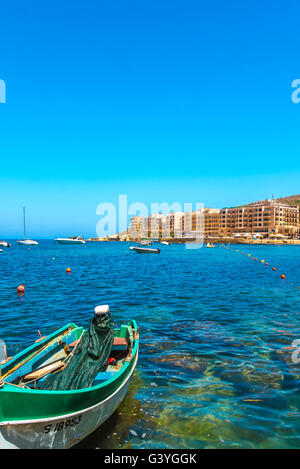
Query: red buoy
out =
(266, 263)
(21, 288)
(68, 270)
(274, 268)
(282, 276)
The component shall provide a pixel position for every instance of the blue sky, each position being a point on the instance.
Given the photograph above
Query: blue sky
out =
(165, 101)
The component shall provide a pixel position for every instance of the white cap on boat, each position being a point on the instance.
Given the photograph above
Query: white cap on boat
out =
(101, 309)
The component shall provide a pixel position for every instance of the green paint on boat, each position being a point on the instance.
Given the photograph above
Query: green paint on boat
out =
(18, 404)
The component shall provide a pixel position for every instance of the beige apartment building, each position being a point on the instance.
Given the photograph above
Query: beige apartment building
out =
(212, 222)
(203, 223)
(266, 217)
(146, 227)
(138, 227)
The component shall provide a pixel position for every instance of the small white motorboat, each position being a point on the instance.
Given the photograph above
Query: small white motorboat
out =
(70, 240)
(144, 250)
(5, 244)
(26, 242)
(210, 245)
(165, 243)
(145, 242)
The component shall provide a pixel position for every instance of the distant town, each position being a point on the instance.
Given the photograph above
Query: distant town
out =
(263, 221)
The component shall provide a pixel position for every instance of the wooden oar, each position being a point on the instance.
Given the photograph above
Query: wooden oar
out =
(41, 372)
(12, 370)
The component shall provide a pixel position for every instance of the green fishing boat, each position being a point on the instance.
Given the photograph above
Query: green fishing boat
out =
(60, 389)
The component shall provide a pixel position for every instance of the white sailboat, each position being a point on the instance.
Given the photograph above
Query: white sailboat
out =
(26, 242)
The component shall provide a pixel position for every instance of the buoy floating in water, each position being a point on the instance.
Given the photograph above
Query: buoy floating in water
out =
(68, 270)
(262, 260)
(21, 288)
(266, 263)
(282, 276)
(274, 268)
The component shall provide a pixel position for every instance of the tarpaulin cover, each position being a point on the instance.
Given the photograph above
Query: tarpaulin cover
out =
(90, 356)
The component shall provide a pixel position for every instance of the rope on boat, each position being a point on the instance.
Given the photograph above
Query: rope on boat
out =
(72, 353)
(2, 383)
(12, 370)
(57, 371)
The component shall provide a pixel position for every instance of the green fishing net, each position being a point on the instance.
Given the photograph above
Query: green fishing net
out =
(90, 357)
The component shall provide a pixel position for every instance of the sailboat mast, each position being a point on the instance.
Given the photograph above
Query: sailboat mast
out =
(24, 223)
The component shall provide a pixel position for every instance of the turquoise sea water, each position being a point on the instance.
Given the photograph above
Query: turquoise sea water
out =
(215, 368)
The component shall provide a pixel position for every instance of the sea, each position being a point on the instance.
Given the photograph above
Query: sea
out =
(218, 363)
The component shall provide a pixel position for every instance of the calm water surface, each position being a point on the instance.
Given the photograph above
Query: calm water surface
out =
(216, 327)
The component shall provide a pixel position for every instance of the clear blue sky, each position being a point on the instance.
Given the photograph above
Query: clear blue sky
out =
(165, 101)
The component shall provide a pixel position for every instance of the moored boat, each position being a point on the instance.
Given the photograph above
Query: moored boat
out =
(70, 240)
(59, 390)
(145, 242)
(5, 244)
(144, 250)
(26, 242)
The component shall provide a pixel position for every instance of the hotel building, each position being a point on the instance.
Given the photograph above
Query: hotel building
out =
(265, 217)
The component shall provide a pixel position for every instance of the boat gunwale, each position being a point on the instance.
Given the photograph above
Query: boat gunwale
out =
(35, 346)
(70, 414)
(9, 388)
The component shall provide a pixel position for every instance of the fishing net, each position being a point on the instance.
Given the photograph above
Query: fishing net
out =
(90, 357)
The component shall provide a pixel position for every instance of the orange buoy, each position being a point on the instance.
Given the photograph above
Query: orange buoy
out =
(21, 288)
(274, 268)
(266, 263)
(282, 276)
(68, 270)
(255, 259)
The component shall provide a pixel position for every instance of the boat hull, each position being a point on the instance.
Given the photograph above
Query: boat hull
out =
(145, 250)
(28, 242)
(64, 431)
(3, 243)
(70, 241)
